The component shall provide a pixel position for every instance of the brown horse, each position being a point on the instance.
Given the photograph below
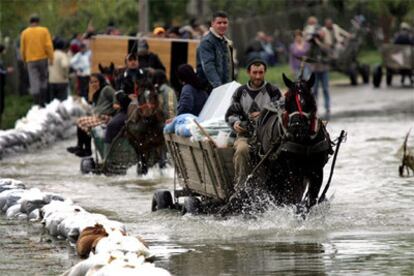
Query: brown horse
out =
(145, 126)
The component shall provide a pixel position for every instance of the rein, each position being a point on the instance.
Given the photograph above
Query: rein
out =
(341, 138)
(267, 154)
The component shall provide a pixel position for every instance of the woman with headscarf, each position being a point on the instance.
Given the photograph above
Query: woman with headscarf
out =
(192, 97)
(101, 96)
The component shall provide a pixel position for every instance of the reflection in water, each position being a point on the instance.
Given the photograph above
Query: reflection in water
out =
(26, 250)
(387, 254)
(251, 259)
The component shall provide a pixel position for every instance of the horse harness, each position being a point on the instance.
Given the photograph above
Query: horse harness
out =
(285, 144)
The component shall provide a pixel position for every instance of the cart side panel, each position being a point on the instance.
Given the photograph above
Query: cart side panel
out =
(221, 160)
(191, 164)
(207, 176)
(213, 186)
(397, 56)
(203, 168)
(226, 164)
(220, 185)
(203, 178)
(190, 161)
(173, 149)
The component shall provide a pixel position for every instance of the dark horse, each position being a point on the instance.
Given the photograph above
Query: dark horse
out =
(145, 126)
(111, 74)
(294, 146)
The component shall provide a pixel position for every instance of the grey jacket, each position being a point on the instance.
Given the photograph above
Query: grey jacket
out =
(215, 60)
(243, 103)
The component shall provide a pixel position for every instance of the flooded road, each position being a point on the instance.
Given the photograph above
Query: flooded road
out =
(368, 228)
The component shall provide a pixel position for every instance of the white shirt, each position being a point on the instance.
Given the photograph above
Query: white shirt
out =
(59, 70)
(81, 62)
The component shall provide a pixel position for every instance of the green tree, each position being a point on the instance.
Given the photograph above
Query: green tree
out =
(167, 12)
(389, 13)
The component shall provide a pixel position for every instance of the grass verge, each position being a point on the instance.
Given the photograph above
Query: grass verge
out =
(16, 107)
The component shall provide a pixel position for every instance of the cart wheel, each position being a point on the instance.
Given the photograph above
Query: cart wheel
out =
(353, 75)
(377, 76)
(87, 165)
(192, 205)
(161, 199)
(365, 71)
(389, 77)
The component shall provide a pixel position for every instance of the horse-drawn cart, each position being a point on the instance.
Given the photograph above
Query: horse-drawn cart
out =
(290, 170)
(202, 169)
(123, 152)
(112, 159)
(396, 60)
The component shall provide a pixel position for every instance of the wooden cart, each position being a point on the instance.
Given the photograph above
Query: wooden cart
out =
(204, 172)
(396, 60)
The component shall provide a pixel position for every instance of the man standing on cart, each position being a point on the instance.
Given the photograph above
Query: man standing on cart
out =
(247, 103)
(215, 54)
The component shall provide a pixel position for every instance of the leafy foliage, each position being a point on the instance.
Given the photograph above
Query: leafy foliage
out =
(66, 17)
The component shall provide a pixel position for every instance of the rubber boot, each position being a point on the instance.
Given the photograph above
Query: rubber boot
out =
(78, 146)
(85, 140)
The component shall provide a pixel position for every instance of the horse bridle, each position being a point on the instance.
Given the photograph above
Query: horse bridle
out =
(147, 104)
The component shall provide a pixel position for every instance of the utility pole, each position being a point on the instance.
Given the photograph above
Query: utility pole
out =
(143, 10)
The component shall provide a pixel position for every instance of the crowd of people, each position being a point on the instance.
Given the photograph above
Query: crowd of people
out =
(112, 101)
(322, 44)
(57, 67)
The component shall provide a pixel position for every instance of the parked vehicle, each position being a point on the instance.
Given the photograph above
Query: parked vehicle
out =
(396, 60)
(346, 59)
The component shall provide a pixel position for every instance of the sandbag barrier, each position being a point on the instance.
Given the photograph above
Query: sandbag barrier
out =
(42, 126)
(105, 243)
